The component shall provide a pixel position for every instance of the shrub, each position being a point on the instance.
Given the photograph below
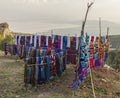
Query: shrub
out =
(114, 59)
(8, 39)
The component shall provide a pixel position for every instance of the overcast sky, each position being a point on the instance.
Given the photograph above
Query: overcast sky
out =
(23, 14)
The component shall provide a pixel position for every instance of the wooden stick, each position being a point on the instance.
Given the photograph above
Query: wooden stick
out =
(82, 32)
(84, 22)
(93, 89)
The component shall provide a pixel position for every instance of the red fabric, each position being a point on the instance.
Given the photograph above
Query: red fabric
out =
(49, 41)
(91, 51)
(53, 69)
(91, 62)
(92, 38)
(48, 51)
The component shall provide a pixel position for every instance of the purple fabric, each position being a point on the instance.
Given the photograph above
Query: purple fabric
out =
(59, 42)
(97, 63)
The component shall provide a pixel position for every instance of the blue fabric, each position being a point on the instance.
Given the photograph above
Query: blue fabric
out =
(56, 41)
(36, 72)
(73, 85)
(96, 55)
(43, 52)
(60, 63)
(64, 42)
(27, 40)
(33, 40)
(26, 51)
(86, 58)
(29, 70)
(14, 49)
(82, 56)
(82, 44)
(48, 68)
(82, 48)
(82, 38)
(37, 43)
(37, 68)
(83, 65)
(87, 39)
(103, 40)
(42, 72)
(37, 52)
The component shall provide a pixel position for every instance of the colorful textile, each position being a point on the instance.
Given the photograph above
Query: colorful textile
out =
(47, 56)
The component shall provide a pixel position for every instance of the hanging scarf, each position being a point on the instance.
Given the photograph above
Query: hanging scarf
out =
(48, 68)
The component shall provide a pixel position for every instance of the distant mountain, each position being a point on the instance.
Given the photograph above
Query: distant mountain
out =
(115, 41)
(92, 27)
(63, 27)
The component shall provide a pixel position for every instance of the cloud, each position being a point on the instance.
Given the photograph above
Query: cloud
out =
(45, 1)
(36, 1)
(27, 1)
(58, 10)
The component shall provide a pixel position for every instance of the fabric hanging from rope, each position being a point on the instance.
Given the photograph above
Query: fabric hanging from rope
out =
(47, 56)
(93, 51)
(43, 66)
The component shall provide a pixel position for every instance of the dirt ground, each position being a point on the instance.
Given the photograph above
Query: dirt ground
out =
(106, 82)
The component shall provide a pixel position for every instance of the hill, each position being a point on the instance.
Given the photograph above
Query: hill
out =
(115, 41)
(64, 27)
(92, 27)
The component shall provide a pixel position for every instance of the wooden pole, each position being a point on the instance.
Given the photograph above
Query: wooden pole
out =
(107, 35)
(107, 59)
(82, 32)
(84, 22)
(92, 81)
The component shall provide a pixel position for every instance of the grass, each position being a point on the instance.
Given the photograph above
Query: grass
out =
(12, 83)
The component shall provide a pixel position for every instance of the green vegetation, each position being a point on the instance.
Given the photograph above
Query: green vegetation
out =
(8, 39)
(0, 35)
(115, 41)
(114, 59)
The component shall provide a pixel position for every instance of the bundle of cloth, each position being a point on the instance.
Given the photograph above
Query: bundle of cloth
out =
(22, 51)
(13, 49)
(71, 56)
(67, 43)
(43, 64)
(72, 50)
(10, 48)
(56, 41)
(6, 48)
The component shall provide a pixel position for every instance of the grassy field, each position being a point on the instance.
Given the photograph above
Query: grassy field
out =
(12, 83)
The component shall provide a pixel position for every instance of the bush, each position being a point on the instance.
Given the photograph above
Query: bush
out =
(114, 59)
(8, 39)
